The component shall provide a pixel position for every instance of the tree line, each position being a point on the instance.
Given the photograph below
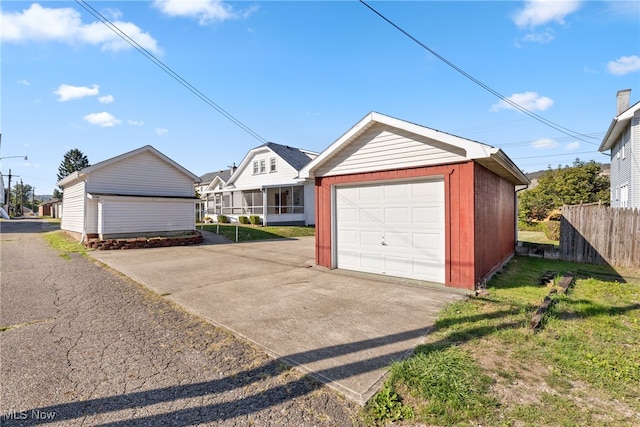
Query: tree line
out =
(583, 182)
(22, 196)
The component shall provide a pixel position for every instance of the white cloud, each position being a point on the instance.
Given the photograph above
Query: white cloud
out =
(68, 92)
(107, 99)
(544, 143)
(544, 36)
(162, 131)
(529, 100)
(206, 11)
(65, 25)
(135, 122)
(103, 119)
(541, 12)
(24, 82)
(624, 65)
(573, 146)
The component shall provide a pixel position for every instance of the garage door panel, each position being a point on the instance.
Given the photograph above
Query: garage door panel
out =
(371, 193)
(397, 241)
(371, 216)
(399, 229)
(426, 214)
(397, 215)
(396, 191)
(370, 238)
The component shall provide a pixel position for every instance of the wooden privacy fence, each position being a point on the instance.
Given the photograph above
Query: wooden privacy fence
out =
(600, 235)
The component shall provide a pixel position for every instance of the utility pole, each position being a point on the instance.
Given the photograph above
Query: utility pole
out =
(9, 198)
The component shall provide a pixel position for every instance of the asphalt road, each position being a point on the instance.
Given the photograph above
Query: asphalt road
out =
(82, 345)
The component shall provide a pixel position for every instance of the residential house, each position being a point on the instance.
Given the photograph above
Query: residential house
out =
(623, 141)
(400, 199)
(212, 182)
(139, 193)
(266, 184)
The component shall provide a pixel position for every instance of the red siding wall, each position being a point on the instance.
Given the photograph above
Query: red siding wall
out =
(459, 215)
(495, 222)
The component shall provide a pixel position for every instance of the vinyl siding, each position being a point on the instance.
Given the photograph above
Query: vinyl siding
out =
(621, 166)
(284, 175)
(73, 202)
(634, 155)
(384, 148)
(309, 203)
(141, 174)
(136, 215)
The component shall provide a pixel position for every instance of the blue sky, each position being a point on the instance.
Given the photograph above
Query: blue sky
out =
(302, 73)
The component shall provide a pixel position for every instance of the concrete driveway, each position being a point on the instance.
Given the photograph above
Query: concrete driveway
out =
(344, 328)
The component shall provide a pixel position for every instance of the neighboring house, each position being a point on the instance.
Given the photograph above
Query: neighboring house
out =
(623, 139)
(400, 199)
(266, 184)
(139, 193)
(212, 182)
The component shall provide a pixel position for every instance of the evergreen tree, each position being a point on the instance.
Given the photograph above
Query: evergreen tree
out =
(74, 160)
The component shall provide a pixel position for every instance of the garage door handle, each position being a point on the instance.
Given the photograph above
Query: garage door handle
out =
(383, 243)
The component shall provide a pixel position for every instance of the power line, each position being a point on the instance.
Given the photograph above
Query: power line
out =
(515, 105)
(124, 36)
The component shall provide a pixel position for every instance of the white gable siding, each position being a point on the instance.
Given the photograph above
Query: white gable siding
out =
(136, 215)
(142, 174)
(382, 148)
(634, 154)
(92, 216)
(283, 176)
(73, 199)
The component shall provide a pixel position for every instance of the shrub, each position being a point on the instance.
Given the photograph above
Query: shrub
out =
(255, 219)
(223, 219)
(530, 226)
(552, 230)
(243, 220)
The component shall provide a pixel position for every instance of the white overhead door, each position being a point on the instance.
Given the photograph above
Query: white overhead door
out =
(393, 228)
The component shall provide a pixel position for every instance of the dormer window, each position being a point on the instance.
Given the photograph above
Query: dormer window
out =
(255, 167)
(272, 164)
(263, 166)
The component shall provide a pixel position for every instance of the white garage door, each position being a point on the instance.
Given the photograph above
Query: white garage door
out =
(395, 228)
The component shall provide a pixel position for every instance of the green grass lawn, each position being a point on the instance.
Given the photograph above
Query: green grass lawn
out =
(251, 232)
(64, 244)
(482, 365)
(535, 237)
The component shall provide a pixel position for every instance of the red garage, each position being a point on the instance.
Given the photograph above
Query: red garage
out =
(400, 199)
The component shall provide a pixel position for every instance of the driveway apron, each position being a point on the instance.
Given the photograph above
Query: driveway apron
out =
(343, 328)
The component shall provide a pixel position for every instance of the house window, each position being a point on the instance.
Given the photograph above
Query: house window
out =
(255, 167)
(284, 200)
(624, 196)
(272, 164)
(263, 166)
(624, 156)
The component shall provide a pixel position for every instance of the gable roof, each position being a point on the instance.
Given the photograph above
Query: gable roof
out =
(490, 157)
(618, 124)
(210, 176)
(295, 157)
(147, 148)
(220, 177)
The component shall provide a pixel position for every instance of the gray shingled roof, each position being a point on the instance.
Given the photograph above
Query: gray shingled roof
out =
(224, 175)
(291, 155)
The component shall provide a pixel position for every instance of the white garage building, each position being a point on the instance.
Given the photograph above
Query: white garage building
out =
(139, 193)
